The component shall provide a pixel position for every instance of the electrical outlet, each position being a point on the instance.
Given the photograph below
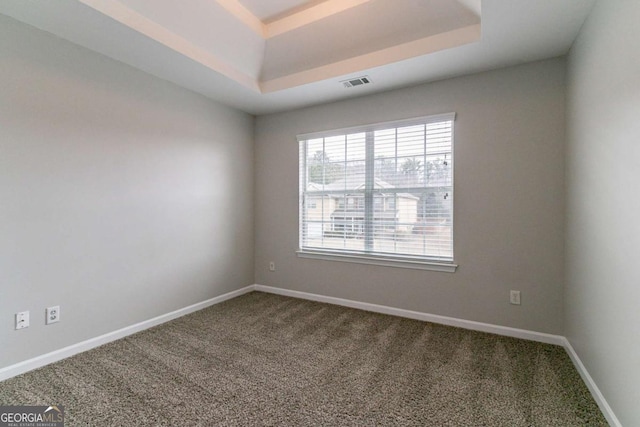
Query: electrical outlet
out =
(514, 297)
(53, 314)
(272, 266)
(22, 320)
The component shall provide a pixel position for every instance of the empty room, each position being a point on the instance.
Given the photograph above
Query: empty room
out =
(319, 212)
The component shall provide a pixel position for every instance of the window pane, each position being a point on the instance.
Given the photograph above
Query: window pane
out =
(322, 171)
(336, 223)
(411, 141)
(335, 148)
(352, 178)
(416, 223)
(315, 145)
(385, 144)
(409, 185)
(439, 137)
(410, 171)
(434, 226)
(356, 147)
(437, 170)
(386, 169)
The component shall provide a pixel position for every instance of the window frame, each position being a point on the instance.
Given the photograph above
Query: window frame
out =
(373, 258)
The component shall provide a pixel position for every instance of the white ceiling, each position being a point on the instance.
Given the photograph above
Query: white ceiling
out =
(267, 9)
(265, 56)
(360, 31)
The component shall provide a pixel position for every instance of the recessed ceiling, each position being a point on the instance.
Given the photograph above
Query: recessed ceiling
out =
(266, 10)
(271, 55)
(363, 30)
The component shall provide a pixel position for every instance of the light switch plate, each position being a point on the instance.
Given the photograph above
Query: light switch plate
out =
(22, 320)
(514, 297)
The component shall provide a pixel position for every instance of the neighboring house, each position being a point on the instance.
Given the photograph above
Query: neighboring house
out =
(319, 208)
(340, 214)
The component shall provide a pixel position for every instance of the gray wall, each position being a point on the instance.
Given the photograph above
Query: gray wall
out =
(603, 203)
(122, 197)
(509, 192)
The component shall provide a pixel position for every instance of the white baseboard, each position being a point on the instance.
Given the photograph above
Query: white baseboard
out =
(591, 384)
(63, 353)
(416, 315)
(54, 356)
(466, 324)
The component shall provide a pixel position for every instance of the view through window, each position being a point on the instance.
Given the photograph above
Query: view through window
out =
(381, 190)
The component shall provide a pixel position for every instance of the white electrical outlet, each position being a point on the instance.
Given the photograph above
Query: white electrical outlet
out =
(514, 297)
(22, 320)
(53, 315)
(272, 266)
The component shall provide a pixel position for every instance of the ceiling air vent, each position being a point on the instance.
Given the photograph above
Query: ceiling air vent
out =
(358, 81)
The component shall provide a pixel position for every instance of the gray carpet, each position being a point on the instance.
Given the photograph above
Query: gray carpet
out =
(263, 359)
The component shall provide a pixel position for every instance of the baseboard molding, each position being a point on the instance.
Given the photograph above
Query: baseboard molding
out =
(416, 315)
(466, 324)
(63, 353)
(591, 384)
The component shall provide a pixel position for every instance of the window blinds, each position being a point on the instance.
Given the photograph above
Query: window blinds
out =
(379, 190)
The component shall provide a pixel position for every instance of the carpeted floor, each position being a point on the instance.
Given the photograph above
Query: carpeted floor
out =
(263, 359)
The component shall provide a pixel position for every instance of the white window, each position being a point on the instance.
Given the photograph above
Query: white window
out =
(383, 192)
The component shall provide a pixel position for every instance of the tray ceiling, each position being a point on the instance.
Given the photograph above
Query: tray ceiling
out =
(270, 55)
(267, 10)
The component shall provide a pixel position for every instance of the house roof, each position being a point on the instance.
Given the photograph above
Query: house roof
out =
(355, 183)
(314, 186)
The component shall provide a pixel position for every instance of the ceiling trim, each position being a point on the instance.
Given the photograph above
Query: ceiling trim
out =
(245, 16)
(138, 22)
(510, 36)
(310, 15)
(424, 46)
(289, 22)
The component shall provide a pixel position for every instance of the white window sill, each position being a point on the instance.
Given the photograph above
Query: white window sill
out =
(399, 262)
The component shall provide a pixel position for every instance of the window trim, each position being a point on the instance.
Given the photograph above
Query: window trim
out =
(381, 259)
(380, 126)
(387, 261)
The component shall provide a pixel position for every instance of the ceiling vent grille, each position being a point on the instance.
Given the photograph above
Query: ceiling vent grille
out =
(358, 81)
